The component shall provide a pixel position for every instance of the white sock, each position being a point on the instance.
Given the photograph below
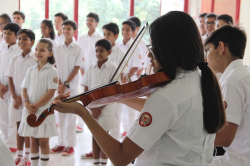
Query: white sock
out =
(104, 161)
(34, 159)
(27, 153)
(19, 154)
(44, 161)
(97, 161)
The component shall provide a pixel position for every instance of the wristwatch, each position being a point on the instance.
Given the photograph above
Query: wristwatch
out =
(66, 83)
(25, 100)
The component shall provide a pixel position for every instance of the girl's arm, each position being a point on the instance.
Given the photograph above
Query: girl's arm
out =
(45, 98)
(30, 107)
(120, 154)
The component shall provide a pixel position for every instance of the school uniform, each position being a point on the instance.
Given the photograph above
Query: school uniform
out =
(88, 45)
(5, 124)
(235, 87)
(67, 57)
(95, 77)
(144, 53)
(129, 114)
(170, 127)
(37, 84)
(61, 39)
(2, 43)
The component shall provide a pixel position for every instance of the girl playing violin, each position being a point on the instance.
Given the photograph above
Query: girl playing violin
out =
(178, 122)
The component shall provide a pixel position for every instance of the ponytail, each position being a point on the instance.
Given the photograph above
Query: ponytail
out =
(214, 112)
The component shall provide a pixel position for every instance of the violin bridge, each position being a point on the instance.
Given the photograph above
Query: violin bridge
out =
(128, 78)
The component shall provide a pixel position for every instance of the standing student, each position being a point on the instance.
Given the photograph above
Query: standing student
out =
(135, 63)
(19, 18)
(39, 86)
(178, 122)
(223, 19)
(210, 22)
(68, 62)
(48, 32)
(11, 49)
(87, 42)
(4, 19)
(225, 50)
(203, 30)
(96, 75)
(16, 70)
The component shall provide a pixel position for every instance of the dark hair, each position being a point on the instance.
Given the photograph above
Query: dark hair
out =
(104, 43)
(19, 13)
(94, 15)
(28, 32)
(202, 15)
(49, 24)
(234, 37)
(211, 15)
(51, 59)
(6, 17)
(14, 27)
(175, 47)
(130, 23)
(136, 20)
(71, 23)
(228, 19)
(63, 16)
(113, 27)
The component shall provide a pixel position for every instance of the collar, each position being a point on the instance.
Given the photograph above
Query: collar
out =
(72, 44)
(13, 47)
(180, 73)
(106, 64)
(94, 34)
(231, 66)
(28, 55)
(128, 43)
(46, 65)
(115, 48)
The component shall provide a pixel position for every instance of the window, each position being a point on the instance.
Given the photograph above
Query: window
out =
(64, 6)
(34, 12)
(169, 5)
(115, 11)
(225, 7)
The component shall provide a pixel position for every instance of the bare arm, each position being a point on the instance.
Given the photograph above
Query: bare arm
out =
(136, 103)
(225, 136)
(12, 87)
(132, 71)
(73, 73)
(45, 98)
(120, 154)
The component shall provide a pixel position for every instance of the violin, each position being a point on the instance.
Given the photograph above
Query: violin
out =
(112, 92)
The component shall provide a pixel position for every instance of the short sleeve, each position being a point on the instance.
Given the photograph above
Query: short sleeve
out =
(85, 78)
(26, 79)
(79, 61)
(161, 113)
(137, 62)
(233, 98)
(9, 70)
(53, 79)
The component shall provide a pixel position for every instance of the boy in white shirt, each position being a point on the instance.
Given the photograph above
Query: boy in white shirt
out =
(4, 19)
(68, 62)
(11, 49)
(19, 18)
(96, 75)
(88, 40)
(15, 72)
(225, 49)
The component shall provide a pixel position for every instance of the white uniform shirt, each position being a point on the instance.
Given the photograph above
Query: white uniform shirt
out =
(88, 45)
(67, 57)
(144, 53)
(175, 134)
(2, 43)
(5, 57)
(95, 77)
(61, 39)
(37, 84)
(17, 69)
(235, 86)
(135, 60)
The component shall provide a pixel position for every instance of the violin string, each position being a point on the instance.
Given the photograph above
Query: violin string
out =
(132, 52)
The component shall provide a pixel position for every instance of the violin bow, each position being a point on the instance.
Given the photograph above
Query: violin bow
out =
(143, 31)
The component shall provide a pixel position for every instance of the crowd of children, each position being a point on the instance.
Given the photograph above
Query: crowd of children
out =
(32, 75)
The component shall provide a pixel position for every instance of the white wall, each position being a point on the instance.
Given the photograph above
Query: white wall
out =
(245, 23)
(8, 6)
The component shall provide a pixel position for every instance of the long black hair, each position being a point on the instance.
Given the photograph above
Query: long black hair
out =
(49, 24)
(176, 42)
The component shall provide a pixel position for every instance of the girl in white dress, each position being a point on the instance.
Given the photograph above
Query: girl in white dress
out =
(39, 86)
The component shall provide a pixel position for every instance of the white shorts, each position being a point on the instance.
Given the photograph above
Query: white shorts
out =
(107, 122)
(15, 114)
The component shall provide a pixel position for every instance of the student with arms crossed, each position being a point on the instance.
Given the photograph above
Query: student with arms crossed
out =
(11, 49)
(225, 49)
(178, 122)
(16, 70)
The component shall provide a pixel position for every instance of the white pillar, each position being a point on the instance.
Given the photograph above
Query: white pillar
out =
(8, 6)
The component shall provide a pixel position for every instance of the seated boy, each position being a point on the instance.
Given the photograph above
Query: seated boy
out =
(11, 49)
(68, 61)
(225, 54)
(15, 72)
(19, 18)
(4, 19)
(223, 19)
(96, 75)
